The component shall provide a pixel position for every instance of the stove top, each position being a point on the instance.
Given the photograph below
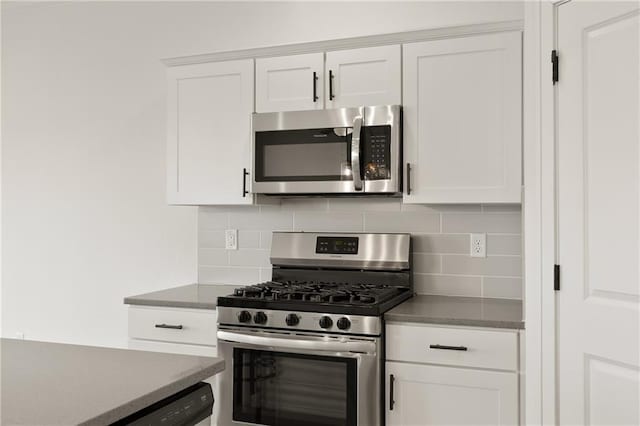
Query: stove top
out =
(357, 274)
(326, 292)
(310, 296)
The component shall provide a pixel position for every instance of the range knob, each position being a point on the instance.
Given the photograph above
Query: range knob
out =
(292, 319)
(325, 322)
(343, 323)
(260, 318)
(244, 316)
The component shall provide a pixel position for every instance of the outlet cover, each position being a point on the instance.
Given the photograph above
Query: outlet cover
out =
(478, 245)
(231, 239)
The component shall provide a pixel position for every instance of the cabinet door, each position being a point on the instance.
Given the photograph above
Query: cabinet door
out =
(462, 119)
(369, 76)
(209, 132)
(290, 83)
(429, 395)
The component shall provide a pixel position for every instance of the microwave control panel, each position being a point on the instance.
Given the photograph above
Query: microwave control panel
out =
(377, 152)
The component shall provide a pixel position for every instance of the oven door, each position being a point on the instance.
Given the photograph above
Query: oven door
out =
(282, 379)
(308, 152)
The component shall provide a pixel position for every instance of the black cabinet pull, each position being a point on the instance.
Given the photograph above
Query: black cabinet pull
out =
(173, 327)
(315, 89)
(392, 380)
(450, 348)
(408, 178)
(331, 85)
(245, 173)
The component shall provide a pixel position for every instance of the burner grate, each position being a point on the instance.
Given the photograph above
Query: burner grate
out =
(319, 292)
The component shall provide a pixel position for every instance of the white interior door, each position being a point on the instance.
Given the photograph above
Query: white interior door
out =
(598, 213)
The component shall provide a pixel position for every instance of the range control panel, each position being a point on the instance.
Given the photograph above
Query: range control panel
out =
(337, 245)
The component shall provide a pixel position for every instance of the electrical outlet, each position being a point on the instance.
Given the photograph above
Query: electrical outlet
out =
(231, 239)
(478, 245)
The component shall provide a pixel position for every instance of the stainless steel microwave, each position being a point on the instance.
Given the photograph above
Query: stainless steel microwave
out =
(346, 151)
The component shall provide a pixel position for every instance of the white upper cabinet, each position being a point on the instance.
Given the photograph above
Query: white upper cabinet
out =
(367, 76)
(290, 83)
(209, 132)
(462, 119)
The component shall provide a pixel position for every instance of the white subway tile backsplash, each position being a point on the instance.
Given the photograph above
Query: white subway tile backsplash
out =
(440, 233)
(357, 205)
(265, 239)
(441, 208)
(447, 285)
(426, 263)
(210, 239)
(248, 239)
(265, 274)
(479, 222)
(273, 219)
(249, 257)
(505, 266)
(441, 243)
(209, 218)
(328, 221)
(502, 288)
(401, 222)
(304, 204)
(213, 257)
(504, 244)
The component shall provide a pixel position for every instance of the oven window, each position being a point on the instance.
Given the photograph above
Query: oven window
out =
(303, 155)
(284, 389)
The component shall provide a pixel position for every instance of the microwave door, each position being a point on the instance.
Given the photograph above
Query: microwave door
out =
(307, 152)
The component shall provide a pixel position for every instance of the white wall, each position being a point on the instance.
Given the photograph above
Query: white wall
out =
(83, 216)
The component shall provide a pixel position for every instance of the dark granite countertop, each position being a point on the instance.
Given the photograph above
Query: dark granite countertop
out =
(58, 384)
(198, 296)
(455, 310)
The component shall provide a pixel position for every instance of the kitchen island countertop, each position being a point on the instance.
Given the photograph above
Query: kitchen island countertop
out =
(456, 310)
(197, 296)
(61, 384)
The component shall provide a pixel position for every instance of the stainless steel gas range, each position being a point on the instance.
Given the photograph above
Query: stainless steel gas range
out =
(306, 347)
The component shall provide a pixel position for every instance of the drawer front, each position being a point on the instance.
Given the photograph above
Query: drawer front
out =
(173, 325)
(452, 346)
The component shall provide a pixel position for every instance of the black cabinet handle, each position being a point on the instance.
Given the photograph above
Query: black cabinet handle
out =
(392, 380)
(173, 327)
(315, 89)
(450, 348)
(245, 173)
(331, 85)
(408, 178)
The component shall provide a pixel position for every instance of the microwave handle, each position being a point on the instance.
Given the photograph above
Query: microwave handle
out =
(355, 153)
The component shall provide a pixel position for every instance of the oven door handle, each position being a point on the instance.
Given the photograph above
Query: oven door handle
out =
(355, 153)
(313, 345)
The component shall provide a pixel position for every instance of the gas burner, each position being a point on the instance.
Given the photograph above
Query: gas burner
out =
(319, 292)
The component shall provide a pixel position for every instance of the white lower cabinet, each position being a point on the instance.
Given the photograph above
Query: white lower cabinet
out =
(451, 376)
(436, 395)
(177, 331)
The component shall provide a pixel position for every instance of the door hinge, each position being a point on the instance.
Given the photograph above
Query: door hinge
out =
(554, 66)
(556, 277)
